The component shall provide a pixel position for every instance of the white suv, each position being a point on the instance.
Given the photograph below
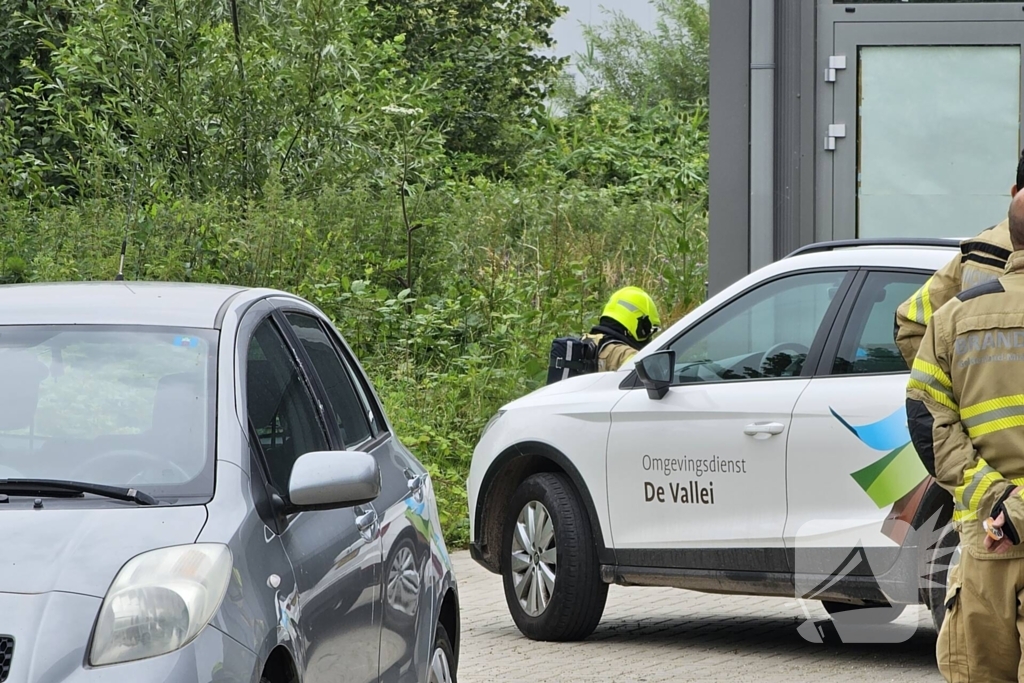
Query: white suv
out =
(759, 446)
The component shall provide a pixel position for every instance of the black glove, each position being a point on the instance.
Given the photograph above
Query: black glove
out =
(1008, 528)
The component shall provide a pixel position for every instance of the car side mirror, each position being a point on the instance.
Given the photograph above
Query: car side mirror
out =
(325, 480)
(655, 373)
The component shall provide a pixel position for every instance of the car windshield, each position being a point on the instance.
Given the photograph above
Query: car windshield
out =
(122, 406)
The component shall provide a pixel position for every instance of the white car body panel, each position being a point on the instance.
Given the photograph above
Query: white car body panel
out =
(826, 506)
(572, 416)
(690, 426)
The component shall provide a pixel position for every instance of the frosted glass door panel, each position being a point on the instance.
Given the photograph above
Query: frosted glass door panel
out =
(939, 139)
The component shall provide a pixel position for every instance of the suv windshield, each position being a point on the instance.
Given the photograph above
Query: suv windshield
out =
(121, 406)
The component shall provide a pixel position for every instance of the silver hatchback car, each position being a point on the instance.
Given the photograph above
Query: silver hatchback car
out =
(198, 484)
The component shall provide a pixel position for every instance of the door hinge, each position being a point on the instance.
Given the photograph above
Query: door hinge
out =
(835, 130)
(835, 63)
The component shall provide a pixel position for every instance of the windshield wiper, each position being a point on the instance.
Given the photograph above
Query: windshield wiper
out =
(72, 489)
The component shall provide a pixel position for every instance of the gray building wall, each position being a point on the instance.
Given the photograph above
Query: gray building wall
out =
(795, 81)
(792, 135)
(728, 238)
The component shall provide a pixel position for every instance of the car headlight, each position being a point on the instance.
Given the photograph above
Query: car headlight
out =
(160, 601)
(490, 423)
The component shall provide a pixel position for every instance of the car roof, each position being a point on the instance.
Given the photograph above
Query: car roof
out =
(925, 257)
(114, 303)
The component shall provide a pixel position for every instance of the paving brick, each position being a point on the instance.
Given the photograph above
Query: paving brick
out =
(655, 635)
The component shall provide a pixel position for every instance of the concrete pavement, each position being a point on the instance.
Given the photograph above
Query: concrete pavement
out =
(665, 634)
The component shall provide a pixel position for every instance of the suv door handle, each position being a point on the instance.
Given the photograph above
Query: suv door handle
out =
(764, 429)
(366, 520)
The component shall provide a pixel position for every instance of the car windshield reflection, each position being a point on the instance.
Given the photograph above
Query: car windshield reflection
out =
(117, 406)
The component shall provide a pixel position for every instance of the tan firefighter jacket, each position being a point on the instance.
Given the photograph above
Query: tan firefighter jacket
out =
(612, 355)
(965, 402)
(981, 260)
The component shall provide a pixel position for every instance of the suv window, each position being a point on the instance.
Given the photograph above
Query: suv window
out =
(867, 345)
(280, 407)
(347, 407)
(764, 333)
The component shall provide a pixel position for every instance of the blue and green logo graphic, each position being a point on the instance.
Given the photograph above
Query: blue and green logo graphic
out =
(897, 473)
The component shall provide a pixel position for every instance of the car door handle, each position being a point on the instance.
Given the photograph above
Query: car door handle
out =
(366, 520)
(764, 429)
(415, 481)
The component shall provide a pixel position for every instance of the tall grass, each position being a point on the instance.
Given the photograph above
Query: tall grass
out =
(497, 272)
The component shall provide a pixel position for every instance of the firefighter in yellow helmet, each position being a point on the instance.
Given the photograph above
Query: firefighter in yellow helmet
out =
(628, 321)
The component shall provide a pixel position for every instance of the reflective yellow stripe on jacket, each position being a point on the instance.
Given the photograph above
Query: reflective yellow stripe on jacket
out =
(920, 309)
(993, 415)
(931, 379)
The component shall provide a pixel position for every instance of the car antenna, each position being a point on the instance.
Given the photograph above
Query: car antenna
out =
(127, 221)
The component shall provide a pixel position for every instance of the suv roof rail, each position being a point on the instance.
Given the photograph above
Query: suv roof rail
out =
(880, 242)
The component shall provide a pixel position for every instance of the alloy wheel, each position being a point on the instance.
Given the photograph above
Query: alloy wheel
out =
(534, 558)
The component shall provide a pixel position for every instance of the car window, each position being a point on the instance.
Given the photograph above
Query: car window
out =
(280, 407)
(347, 407)
(867, 344)
(766, 332)
(116, 405)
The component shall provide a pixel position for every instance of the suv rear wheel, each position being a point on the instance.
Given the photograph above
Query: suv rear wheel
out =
(549, 563)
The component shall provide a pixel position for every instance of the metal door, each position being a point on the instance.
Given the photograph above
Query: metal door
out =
(919, 124)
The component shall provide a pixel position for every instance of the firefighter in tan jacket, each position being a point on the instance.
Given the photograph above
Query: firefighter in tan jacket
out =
(981, 260)
(965, 408)
(628, 321)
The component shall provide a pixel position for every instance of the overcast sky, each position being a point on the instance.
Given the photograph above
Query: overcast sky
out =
(568, 33)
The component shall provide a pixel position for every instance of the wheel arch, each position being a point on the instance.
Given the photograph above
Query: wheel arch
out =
(449, 617)
(280, 667)
(506, 473)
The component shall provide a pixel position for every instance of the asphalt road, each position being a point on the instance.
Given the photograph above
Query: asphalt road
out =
(665, 634)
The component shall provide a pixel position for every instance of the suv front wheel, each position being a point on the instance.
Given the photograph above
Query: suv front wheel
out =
(549, 563)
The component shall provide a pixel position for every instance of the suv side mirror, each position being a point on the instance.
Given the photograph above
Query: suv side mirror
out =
(655, 372)
(325, 480)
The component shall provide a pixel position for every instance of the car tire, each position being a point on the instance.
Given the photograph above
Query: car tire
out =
(863, 614)
(944, 555)
(575, 594)
(442, 659)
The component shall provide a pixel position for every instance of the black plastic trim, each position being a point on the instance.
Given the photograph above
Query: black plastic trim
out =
(306, 370)
(6, 656)
(709, 559)
(218, 320)
(834, 313)
(862, 589)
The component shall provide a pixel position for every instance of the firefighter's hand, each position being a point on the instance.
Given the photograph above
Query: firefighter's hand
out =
(1002, 545)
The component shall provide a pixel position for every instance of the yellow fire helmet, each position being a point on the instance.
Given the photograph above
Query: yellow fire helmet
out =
(635, 310)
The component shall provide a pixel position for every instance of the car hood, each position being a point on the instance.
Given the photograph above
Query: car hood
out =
(81, 550)
(555, 393)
